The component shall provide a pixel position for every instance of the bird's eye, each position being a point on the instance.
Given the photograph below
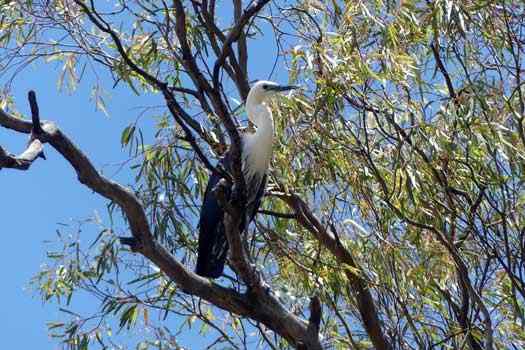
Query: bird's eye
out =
(265, 86)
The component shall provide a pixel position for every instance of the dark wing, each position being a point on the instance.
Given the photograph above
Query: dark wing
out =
(213, 245)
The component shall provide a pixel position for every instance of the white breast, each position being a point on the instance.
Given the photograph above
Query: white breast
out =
(257, 152)
(257, 147)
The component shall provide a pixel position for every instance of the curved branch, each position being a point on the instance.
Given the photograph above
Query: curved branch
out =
(23, 161)
(264, 308)
(35, 148)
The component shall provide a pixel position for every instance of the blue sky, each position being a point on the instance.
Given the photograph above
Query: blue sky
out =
(35, 202)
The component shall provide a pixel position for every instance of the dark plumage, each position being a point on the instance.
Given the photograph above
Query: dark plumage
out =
(213, 244)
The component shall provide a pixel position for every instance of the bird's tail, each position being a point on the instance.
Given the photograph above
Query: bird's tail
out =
(213, 249)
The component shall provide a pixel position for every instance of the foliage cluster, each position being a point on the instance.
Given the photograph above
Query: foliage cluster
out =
(407, 143)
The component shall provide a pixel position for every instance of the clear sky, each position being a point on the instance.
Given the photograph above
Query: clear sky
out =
(35, 202)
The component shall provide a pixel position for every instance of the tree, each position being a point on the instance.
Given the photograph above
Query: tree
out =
(394, 216)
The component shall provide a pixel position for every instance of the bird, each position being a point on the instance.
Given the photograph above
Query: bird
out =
(256, 153)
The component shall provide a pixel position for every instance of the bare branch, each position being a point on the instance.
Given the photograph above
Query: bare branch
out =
(234, 35)
(242, 48)
(35, 148)
(23, 161)
(443, 71)
(35, 114)
(264, 308)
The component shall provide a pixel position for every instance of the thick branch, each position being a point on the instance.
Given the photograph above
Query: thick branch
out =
(264, 308)
(238, 256)
(35, 148)
(23, 161)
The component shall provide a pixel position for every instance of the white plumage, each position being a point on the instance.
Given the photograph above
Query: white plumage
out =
(257, 146)
(256, 155)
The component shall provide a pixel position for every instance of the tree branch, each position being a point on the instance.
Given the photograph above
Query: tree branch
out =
(233, 219)
(365, 302)
(314, 322)
(277, 214)
(35, 148)
(242, 49)
(234, 35)
(178, 113)
(443, 70)
(99, 22)
(238, 255)
(23, 161)
(35, 113)
(265, 308)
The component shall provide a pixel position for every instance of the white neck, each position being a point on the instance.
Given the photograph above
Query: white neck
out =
(261, 116)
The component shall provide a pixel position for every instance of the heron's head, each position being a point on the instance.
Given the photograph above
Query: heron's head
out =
(264, 89)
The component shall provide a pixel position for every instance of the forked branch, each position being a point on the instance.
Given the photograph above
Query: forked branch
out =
(35, 148)
(264, 308)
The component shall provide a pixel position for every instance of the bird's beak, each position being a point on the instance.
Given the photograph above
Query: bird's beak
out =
(281, 88)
